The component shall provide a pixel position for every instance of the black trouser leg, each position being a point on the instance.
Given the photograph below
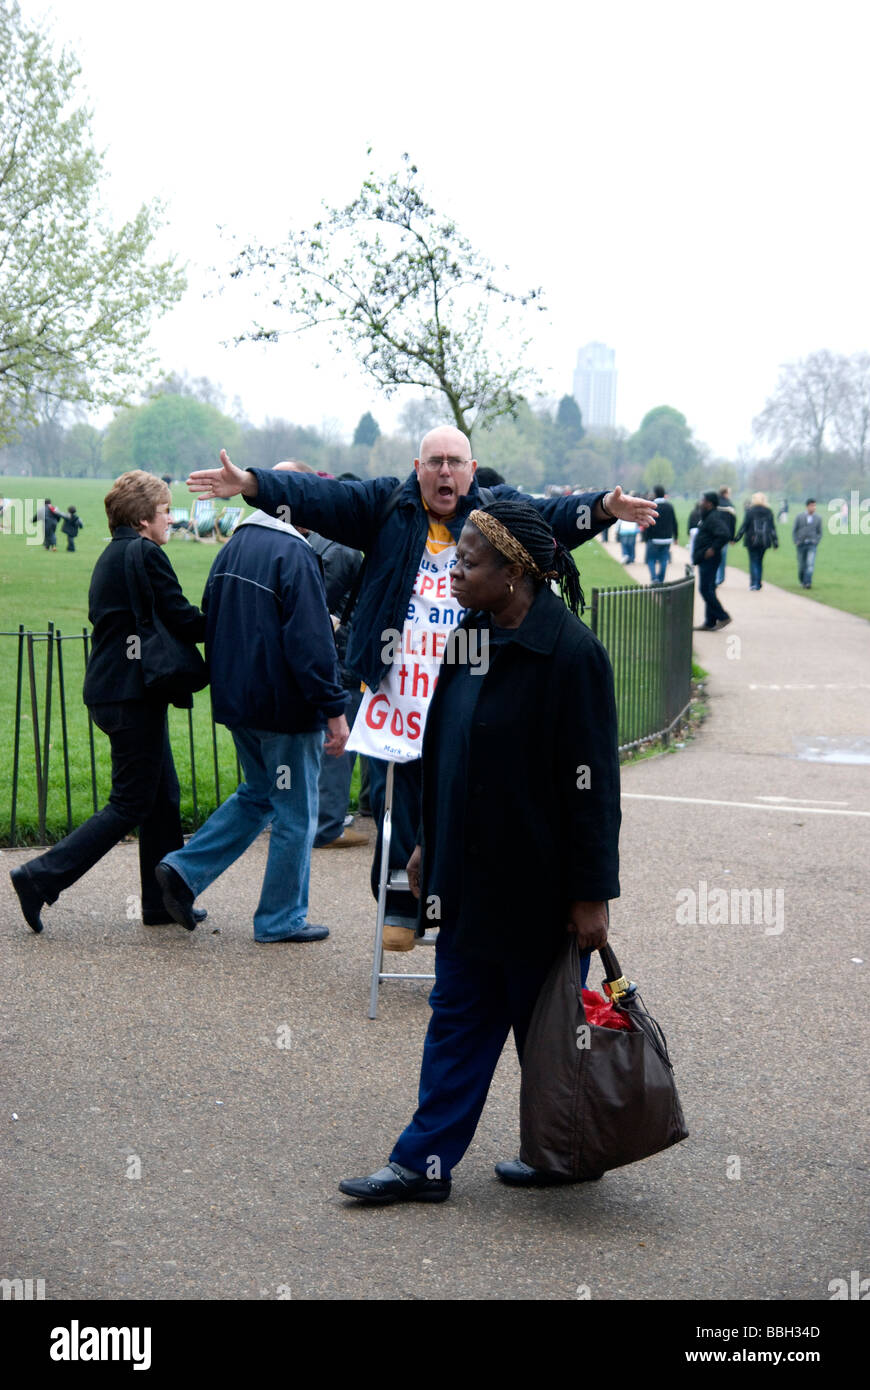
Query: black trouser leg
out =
(160, 830)
(707, 584)
(405, 824)
(137, 733)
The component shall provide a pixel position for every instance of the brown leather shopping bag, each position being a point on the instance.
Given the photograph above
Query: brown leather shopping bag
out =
(594, 1098)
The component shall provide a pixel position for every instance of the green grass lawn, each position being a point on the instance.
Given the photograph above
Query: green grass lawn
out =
(842, 574)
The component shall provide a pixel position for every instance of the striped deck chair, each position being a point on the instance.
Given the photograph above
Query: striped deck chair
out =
(229, 520)
(203, 520)
(179, 518)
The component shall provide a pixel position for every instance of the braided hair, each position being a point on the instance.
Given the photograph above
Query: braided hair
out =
(535, 535)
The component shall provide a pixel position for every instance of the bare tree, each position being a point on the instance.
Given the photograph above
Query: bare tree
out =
(852, 418)
(396, 282)
(801, 411)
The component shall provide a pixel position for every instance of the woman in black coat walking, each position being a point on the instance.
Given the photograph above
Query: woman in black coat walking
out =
(758, 534)
(520, 827)
(145, 789)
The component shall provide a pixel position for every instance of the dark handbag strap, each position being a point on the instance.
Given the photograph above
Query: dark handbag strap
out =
(138, 584)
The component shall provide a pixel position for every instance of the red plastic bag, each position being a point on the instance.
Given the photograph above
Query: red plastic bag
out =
(601, 1013)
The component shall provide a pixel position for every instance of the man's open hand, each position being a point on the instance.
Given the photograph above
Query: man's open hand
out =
(226, 481)
(628, 508)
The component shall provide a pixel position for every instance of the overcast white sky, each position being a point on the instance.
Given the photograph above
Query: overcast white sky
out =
(687, 180)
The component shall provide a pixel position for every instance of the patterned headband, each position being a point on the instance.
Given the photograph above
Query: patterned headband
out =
(500, 537)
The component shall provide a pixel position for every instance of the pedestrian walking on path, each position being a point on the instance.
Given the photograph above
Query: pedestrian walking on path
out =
(499, 931)
(145, 790)
(713, 533)
(758, 533)
(806, 534)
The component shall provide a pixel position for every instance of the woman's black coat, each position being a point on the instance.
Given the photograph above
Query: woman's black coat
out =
(539, 827)
(111, 676)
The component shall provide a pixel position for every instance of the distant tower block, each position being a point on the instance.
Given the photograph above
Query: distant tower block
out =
(595, 385)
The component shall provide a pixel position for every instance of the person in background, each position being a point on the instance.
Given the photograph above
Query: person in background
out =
(145, 789)
(713, 532)
(806, 534)
(488, 477)
(275, 684)
(758, 533)
(660, 536)
(626, 534)
(729, 511)
(48, 514)
(694, 522)
(341, 565)
(71, 525)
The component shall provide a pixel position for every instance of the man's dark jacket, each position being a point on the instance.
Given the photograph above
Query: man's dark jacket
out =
(529, 840)
(351, 512)
(341, 566)
(269, 640)
(714, 531)
(112, 674)
(664, 528)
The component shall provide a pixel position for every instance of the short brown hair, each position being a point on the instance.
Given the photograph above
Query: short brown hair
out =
(135, 497)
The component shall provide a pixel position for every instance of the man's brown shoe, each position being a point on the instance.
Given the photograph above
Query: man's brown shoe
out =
(347, 837)
(399, 938)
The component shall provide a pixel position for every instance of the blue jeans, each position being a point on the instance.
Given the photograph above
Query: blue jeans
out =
(628, 543)
(657, 557)
(806, 563)
(475, 1004)
(334, 785)
(756, 558)
(720, 573)
(280, 788)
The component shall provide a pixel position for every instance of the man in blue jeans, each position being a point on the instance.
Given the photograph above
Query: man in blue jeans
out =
(276, 685)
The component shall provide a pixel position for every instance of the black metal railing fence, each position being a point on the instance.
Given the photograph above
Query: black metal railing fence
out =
(55, 784)
(648, 635)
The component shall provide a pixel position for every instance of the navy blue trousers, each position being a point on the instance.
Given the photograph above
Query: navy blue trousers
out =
(475, 1004)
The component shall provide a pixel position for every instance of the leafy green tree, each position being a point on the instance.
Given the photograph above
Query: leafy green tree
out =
(178, 434)
(367, 431)
(397, 283)
(76, 296)
(569, 421)
(659, 470)
(665, 431)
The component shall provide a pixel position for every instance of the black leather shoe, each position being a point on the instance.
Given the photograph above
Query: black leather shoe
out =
(30, 900)
(396, 1184)
(310, 932)
(151, 919)
(518, 1174)
(177, 897)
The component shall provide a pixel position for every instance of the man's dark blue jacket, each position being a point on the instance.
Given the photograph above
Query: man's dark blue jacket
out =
(352, 512)
(269, 639)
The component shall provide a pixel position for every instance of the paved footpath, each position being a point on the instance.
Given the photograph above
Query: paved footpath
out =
(158, 1142)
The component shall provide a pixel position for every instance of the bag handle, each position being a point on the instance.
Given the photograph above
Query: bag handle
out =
(138, 583)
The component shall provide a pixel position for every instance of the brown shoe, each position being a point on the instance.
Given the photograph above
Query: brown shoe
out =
(347, 837)
(399, 938)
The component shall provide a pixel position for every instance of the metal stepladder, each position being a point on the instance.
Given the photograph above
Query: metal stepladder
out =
(390, 879)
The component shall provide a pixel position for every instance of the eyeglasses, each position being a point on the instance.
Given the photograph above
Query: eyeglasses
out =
(435, 465)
